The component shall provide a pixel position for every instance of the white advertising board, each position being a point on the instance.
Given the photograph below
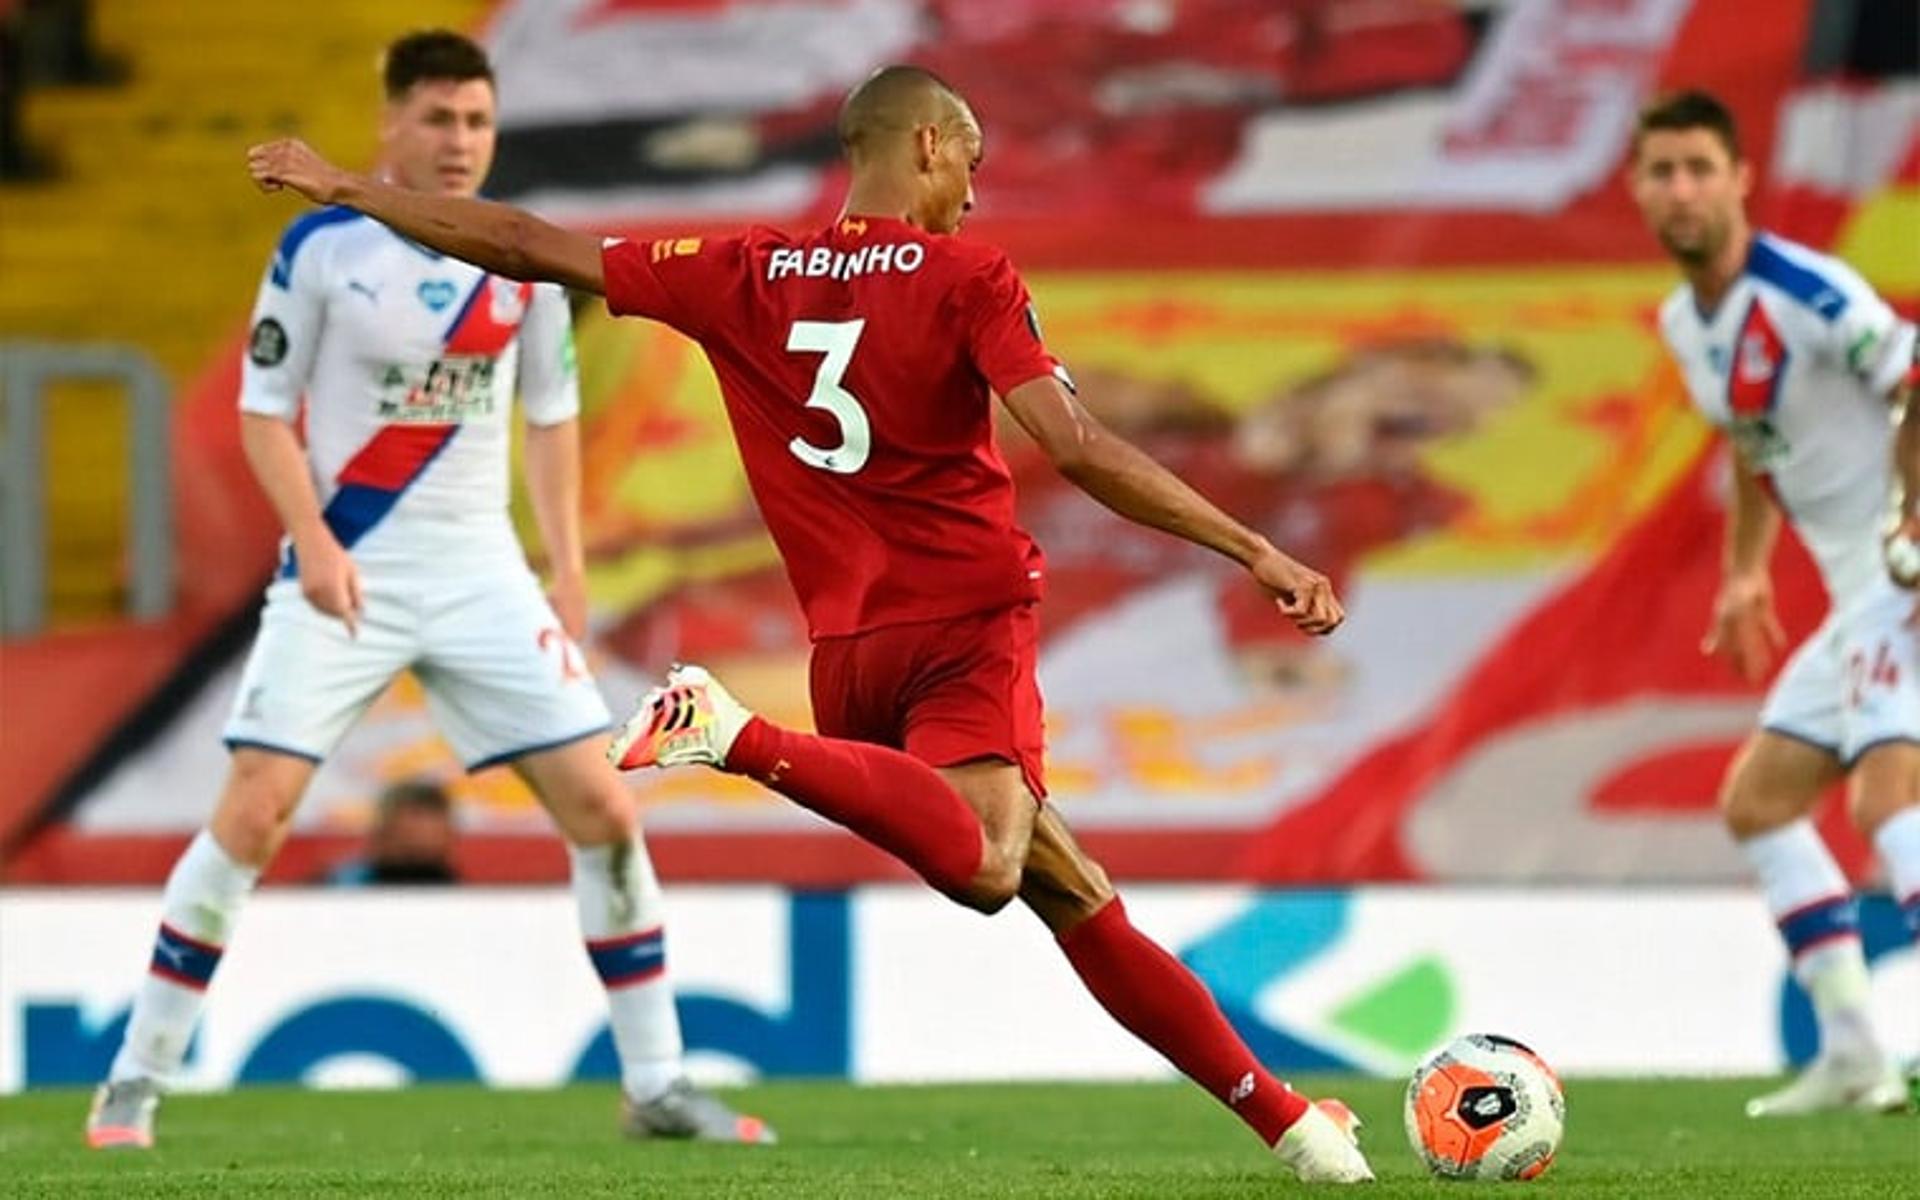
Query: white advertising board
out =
(370, 988)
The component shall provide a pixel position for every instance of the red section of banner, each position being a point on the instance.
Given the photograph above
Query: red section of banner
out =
(1628, 629)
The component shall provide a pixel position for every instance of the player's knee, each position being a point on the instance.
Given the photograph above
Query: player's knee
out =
(994, 885)
(254, 813)
(597, 818)
(1749, 810)
(1885, 782)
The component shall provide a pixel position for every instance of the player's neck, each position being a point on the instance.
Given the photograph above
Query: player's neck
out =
(1712, 280)
(873, 197)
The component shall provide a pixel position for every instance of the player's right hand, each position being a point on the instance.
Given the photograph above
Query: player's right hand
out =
(1303, 595)
(290, 162)
(331, 582)
(1746, 631)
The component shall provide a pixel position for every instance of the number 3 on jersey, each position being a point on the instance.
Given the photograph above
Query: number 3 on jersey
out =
(835, 340)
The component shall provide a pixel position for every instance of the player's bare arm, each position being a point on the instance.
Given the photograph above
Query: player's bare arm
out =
(1124, 478)
(498, 237)
(328, 578)
(1746, 630)
(553, 488)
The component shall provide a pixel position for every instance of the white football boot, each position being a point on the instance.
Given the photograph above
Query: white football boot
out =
(1864, 1083)
(684, 1111)
(689, 720)
(122, 1115)
(1322, 1146)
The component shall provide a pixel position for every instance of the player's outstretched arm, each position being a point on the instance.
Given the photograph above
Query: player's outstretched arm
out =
(1127, 480)
(498, 237)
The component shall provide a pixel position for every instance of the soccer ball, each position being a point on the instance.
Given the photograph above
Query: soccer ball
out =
(1485, 1107)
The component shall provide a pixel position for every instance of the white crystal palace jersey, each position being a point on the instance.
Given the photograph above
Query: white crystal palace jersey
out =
(1797, 365)
(408, 362)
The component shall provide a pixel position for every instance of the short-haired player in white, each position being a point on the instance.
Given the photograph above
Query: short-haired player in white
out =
(1794, 356)
(400, 555)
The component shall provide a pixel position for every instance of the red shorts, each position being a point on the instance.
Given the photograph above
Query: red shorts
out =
(946, 692)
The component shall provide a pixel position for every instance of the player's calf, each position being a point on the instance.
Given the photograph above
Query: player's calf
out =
(1886, 808)
(1160, 1000)
(1062, 886)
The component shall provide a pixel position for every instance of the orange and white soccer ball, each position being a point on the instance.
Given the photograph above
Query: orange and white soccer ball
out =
(1485, 1107)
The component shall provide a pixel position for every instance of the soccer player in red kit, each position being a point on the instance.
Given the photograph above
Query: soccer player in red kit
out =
(857, 364)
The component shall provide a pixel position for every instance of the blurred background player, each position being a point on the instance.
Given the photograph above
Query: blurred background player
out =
(411, 840)
(400, 556)
(856, 365)
(1795, 357)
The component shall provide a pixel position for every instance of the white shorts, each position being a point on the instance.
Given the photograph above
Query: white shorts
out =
(1855, 683)
(501, 678)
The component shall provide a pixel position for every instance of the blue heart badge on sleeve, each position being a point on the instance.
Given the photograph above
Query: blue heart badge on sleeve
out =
(436, 294)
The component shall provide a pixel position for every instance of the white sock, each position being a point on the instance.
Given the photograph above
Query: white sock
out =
(621, 914)
(1812, 903)
(202, 902)
(1898, 841)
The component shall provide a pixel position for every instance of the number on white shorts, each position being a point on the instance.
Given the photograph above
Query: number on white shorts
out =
(835, 340)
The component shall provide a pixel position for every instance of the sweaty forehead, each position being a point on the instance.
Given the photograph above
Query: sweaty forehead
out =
(1682, 143)
(461, 95)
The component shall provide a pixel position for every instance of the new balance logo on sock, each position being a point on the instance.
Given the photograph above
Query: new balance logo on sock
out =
(184, 960)
(773, 776)
(630, 958)
(1241, 1090)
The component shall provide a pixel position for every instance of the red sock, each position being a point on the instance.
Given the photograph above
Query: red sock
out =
(1161, 1002)
(893, 800)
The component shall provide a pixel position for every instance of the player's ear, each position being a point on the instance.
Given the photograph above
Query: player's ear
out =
(1742, 177)
(926, 146)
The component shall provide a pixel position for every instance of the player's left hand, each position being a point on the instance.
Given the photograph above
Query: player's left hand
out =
(1304, 595)
(1901, 549)
(568, 595)
(291, 163)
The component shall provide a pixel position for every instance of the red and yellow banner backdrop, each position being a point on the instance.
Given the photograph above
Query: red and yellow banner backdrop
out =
(1371, 280)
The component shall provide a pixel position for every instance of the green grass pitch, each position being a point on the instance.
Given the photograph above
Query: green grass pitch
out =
(1625, 1139)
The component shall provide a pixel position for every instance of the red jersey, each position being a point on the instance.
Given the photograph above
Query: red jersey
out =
(856, 364)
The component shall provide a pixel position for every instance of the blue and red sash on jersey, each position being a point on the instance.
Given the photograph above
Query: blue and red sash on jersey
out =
(1759, 365)
(1754, 377)
(374, 479)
